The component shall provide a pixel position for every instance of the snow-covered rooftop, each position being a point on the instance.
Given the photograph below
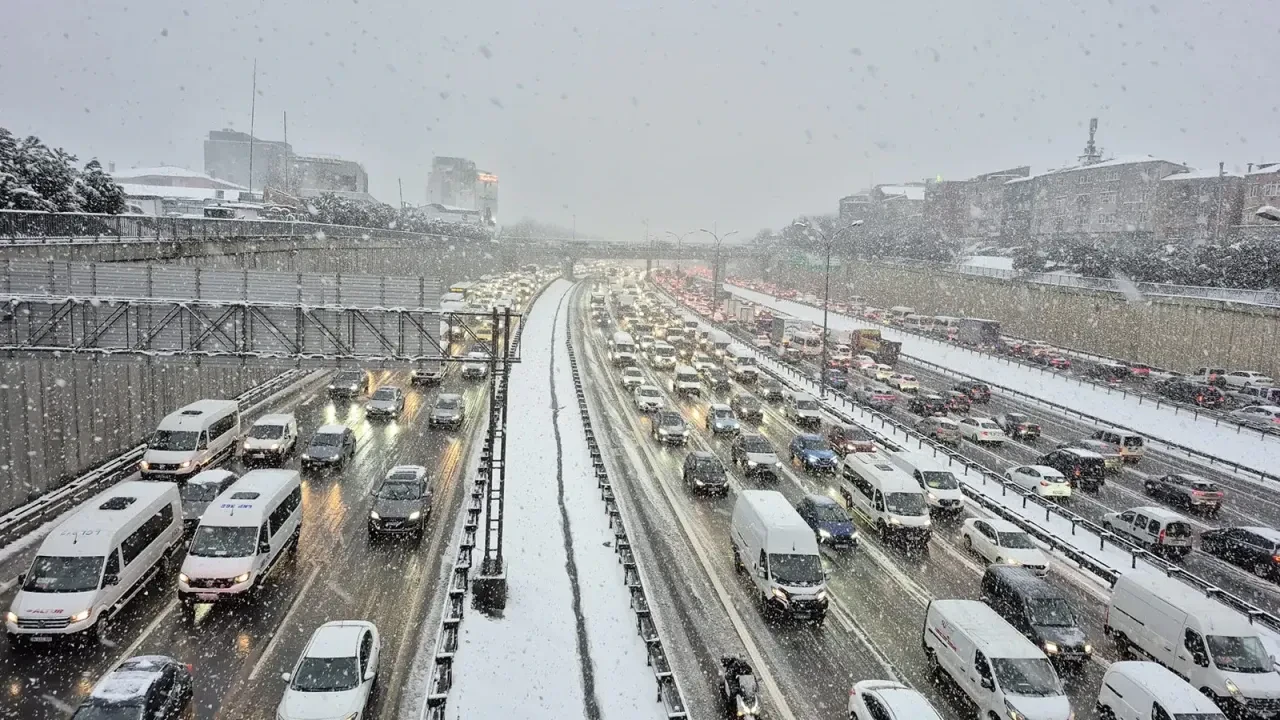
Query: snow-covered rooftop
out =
(911, 192)
(1113, 162)
(1265, 170)
(1199, 175)
(162, 170)
(169, 191)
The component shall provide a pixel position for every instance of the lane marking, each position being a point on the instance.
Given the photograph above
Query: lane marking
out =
(280, 629)
(146, 632)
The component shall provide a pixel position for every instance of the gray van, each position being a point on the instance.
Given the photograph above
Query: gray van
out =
(1038, 610)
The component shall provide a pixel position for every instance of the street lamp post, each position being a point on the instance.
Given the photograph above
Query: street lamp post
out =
(679, 239)
(828, 242)
(715, 266)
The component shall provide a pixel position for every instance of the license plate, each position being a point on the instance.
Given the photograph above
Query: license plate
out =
(258, 454)
(41, 638)
(392, 523)
(207, 597)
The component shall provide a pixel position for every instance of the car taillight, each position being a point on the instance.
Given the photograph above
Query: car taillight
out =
(1275, 558)
(190, 667)
(1044, 483)
(1160, 537)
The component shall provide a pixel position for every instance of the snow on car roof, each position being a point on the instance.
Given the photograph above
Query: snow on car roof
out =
(335, 639)
(131, 680)
(331, 429)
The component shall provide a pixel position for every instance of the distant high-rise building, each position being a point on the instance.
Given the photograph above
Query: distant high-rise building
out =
(455, 182)
(328, 174)
(226, 157)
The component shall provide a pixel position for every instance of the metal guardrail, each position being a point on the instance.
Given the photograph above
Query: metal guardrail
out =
(797, 379)
(22, 227)
(668, 688)
(1197, 413)
(1269, 298)
(24, 519)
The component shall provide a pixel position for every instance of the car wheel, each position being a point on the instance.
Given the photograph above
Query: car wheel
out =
(968, 543)
(101, 629)
(1262, 569)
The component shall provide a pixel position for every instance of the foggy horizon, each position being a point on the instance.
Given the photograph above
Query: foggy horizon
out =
(738, 114)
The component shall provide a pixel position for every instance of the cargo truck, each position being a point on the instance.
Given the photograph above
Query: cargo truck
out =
(867, 341)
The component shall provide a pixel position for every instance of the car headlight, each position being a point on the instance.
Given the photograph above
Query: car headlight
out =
(184, 578)
(824, 533)
(414, 515)
(931, 496)
(1012, 561)
(184, 463)
(894, 521)
(306, 456)
(752, 463)
(778, 464)
(331, 387)
(81, 616)
(684, 433)
(1233, 688)
(246, 444)
(242, 577)
(821, 595)
(144, 465)
(374, 515)
(1051, 647)
(11, 617)
(1088, 649)
(275, 446)
(780, 594)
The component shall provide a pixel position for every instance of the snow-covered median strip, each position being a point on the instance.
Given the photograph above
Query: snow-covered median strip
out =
(1252, 451)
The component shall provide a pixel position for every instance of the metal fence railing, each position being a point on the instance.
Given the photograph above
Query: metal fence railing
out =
(22, 227)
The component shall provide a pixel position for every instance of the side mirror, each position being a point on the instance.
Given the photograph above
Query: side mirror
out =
(1200, 658)
(286, 676)
(264, 548)
(22, 579)
(988, 683)
(762, 573)
(110, 580)
(369, 675)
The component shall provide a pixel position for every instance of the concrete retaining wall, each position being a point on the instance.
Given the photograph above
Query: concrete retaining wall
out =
(1176, 333)
(60, 416)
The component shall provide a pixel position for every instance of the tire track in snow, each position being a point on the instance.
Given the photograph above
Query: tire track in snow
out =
(590, 702)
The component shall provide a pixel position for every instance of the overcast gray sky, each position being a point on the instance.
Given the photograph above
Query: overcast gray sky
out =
(741, 113)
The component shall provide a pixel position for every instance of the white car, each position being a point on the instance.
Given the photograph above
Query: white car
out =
(904, 382)
(1000, 542)
(1247, 378)
(762, 342)
(862, 362)
(335, 675)
(702, 362)
(632, 377)
(888, 700)
(879, 371)
(476, 364)
(981, 430)
(1040, 479)
(648, 398)
(645, 342)
(1260, 416)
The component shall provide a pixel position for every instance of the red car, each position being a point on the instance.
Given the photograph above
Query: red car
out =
(1059, 362)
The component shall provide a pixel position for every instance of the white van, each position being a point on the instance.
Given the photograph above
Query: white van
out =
(998, 668)
(1130, 445)
(886, 498)
(741, 363)
(778, 551)
(622, 349)
(1212, 646)
(241, 536)
(662, 356)
(191, 439)
(1135, 690)
(720, 342)
(941, 486)
(686, 381)
(97, 560)
(271, 439)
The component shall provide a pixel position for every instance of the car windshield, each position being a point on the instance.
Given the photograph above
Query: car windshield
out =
(988, 425)
(133, 710)
(350, 378)
(1015, 419)
(806, 404)
(814, 443)
(199, 492)
(53, 574)
(224, 541)
(326, 675)
(1051, 612)
(939, 479)
(398, 490)
(1015, 540)
(1239, 654)
(829, 513)
(756, 444)
(384, 394)
(446, 403)
(267, 432)
(173, 440)
(649, 392)
(747, 402)
(664, 351)
(723, 414)
(1177, 529)
(850, 434)
(670, 419)
(796, 569)
(326, 440)
(906, 504)
(1033, 677)
(707, 466)
(1132, 441)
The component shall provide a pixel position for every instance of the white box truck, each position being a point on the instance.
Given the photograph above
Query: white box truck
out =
(774, 546)
(1214, 647)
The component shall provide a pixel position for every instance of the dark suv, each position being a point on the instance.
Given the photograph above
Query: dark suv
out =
(845, 439)
(1256, 549)
(1195, 393)
(349, 384)
(1082, 468)
(670, 428)
(977, 392)
(1185, 490)
(1038, 610)
(927, 405)
(747, 408)
(703, 472)
(1018, 426)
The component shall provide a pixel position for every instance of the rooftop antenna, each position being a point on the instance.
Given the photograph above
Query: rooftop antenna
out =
(1091, 155)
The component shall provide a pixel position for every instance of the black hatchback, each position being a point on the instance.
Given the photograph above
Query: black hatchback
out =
(1038, 610)
(1082, 468)
(147, 687)
(703, 472)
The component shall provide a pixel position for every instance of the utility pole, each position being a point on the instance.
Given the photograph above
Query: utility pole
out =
(288, 154)
(828, 243)
(679, 240)
(715, 264)
(253, 110)
(400, 182)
